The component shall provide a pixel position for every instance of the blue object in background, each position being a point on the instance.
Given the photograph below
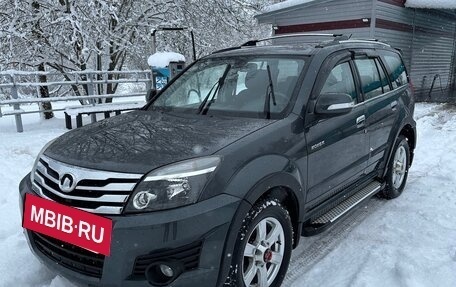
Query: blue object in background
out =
(161, 76)
(160, 82)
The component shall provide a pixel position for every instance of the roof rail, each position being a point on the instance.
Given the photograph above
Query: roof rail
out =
(337, 39)
(365, 41)
(226, 49)
(254, 42)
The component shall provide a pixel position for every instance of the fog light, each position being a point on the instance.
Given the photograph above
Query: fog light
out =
(143, 198)
(163, 273)
(166, 270)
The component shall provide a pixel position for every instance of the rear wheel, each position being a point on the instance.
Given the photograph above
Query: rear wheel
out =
(396, 176)
(263, 248)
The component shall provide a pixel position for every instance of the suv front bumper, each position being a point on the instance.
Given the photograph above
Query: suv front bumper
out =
(145, 234)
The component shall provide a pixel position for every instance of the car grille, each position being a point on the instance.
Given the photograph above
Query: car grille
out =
(188, 255)
(70, 256)
(95, 191)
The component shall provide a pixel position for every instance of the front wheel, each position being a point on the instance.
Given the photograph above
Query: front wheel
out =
(398, 167)
(263, 247)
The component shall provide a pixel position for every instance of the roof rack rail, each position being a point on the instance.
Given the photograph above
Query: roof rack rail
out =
(254, 42)
(226, 49)
(365, 41)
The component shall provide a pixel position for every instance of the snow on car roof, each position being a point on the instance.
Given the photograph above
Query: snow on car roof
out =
(434, 4)
(162, 59)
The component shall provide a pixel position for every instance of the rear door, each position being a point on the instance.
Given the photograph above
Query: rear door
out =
(337, 145)
(382, 106)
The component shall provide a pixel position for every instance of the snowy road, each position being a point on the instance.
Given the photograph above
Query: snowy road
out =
(410, 241)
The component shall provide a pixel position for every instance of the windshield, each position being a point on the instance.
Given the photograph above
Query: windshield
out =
(244, 86)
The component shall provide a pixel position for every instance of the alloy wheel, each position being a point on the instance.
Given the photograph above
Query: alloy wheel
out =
(263, 253)
(399, 167)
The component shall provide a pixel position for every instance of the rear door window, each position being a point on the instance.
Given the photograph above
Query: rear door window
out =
(397, 72)
(370, 79)
(383, 77)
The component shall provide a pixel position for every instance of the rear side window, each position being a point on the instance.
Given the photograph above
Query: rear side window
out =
(383, 77)
(370, 79)
(340, 80)
(397, 73)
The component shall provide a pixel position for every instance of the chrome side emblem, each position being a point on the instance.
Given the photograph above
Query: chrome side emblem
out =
(67, 182)
(318, 145)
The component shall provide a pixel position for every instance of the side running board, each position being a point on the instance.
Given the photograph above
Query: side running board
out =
(319, 224)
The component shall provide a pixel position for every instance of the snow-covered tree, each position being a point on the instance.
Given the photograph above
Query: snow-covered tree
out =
(71, 35)
(216, 24)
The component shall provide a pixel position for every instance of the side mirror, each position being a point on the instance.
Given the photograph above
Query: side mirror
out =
(151, 94)
(334, 104)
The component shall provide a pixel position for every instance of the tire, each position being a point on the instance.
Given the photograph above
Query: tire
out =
(398, 167)
(267, 220)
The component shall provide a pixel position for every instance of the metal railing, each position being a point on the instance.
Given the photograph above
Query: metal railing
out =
(88, 82)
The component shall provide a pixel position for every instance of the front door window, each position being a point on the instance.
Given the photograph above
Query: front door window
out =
(340, 80)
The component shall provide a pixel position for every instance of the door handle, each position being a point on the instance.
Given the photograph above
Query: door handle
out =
(360, 121)
(393, 105)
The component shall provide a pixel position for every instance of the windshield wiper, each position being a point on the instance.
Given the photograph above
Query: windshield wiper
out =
(203, 108)
(269, 94)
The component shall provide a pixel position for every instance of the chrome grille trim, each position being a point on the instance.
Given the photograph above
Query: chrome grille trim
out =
(103, 193)
(98, 210)
(103, 210)
(103, 198)
(38, 190)
(41, 168)
(110, 187)
(85, 173)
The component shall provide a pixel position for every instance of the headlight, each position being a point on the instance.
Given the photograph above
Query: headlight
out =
(172, 186)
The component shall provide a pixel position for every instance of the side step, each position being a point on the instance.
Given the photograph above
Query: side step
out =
(321, 223)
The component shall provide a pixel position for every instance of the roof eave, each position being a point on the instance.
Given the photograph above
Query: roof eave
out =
(288, 9)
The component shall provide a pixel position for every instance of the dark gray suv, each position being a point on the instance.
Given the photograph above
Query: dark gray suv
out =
(217, 178)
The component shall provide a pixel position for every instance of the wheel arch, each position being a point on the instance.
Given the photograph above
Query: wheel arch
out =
(407, 130)
(262, 175)
(282, 181)
(409, 133)
(288, 199)
(287, 189)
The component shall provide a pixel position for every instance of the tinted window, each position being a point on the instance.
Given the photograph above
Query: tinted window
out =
(383, 78)
(398, 75)
(370, 79)
(340, 80)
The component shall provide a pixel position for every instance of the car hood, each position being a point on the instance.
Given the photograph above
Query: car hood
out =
(141, 141)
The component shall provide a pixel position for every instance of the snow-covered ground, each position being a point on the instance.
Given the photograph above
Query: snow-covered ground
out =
(410, 241)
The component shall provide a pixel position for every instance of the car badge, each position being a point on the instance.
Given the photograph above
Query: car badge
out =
(67, 183)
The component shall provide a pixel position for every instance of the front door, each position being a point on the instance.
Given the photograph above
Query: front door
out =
(337, 146)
